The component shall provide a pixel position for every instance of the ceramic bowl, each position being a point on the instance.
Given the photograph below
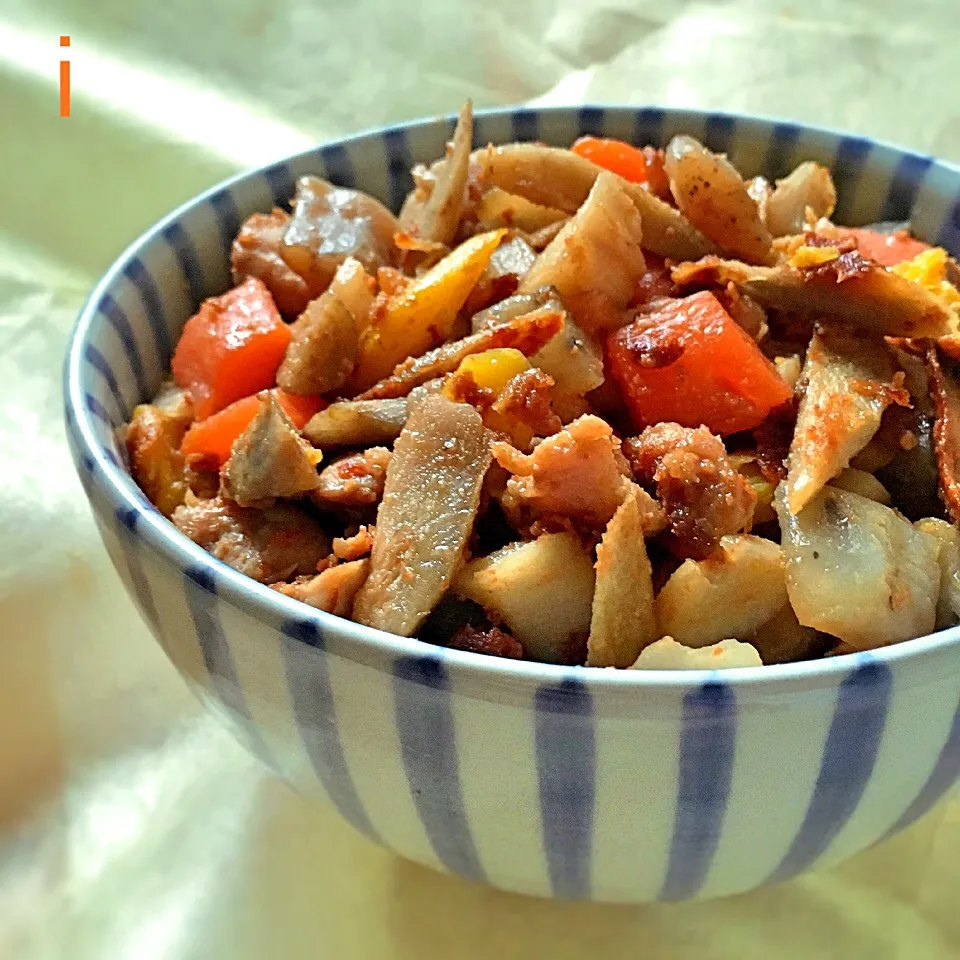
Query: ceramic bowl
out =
(556, 781)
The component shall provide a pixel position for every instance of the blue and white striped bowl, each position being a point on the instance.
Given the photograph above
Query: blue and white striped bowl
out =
(560, 782)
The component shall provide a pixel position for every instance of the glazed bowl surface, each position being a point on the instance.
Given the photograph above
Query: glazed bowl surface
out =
(618, 786)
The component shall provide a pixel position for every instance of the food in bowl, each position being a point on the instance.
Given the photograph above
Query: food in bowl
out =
(607, 405)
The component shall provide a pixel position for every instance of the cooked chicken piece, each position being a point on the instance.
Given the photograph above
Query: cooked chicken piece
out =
(267, 545)
(355, 423)
(354, 547)
(527, 398)
(945, 387)
(809, 190)
(857, 570)
(323, 349)
(573, 474)
(492, 642)
(429, 506)
(549, 176)
(354, 482)
(850, 381)
(622, 622)
(527, 334)
(541, 589)
(435, 215)
(256, 253)
(846, 289)
(703, 495)
(667, 654)
(596, 259)
(332, 223)
(153, 440)
(269, 459)
(731, 593)
(948, 603)
(712, 195)
(333, 590)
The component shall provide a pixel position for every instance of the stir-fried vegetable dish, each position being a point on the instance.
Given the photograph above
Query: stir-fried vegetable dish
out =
(608, 405)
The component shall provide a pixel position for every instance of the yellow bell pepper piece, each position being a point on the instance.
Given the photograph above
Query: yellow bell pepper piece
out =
(422, 315)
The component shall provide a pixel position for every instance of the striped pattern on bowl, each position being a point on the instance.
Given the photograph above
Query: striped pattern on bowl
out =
(604, 785)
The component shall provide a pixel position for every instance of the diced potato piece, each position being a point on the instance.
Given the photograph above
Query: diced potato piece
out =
(497, 208)
(623, 621)
(542, 590)
(727, 595)
(859, 571)
(948, 605)
(667, 654)
(153, 445)
(423, 314)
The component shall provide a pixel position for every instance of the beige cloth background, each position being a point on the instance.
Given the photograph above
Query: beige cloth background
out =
(130, 825)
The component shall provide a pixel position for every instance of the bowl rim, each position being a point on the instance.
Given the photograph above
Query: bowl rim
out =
(355, 640)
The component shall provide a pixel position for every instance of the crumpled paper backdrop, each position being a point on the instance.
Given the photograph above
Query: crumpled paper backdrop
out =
(131, 826)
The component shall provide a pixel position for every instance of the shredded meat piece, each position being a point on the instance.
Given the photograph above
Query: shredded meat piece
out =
(493, 642)
(527, 398)
(331, 590)
(573, 474)
(353, 482)
(356, 546)
(704, 497)
(256, 253)
(267, 545)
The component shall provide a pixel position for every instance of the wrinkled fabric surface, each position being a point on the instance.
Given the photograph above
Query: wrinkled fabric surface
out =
(131, 825)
